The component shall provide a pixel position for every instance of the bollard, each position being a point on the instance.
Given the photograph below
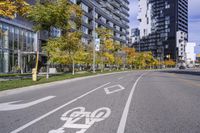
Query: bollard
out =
(34, 74)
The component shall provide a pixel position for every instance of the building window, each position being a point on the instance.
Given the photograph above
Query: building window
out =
(167, 6)
(84, 40)
(73, 1)
(84, 30)
(85, 19)
(84, 7)
(110, 24)
(103, 19)
(117, 28)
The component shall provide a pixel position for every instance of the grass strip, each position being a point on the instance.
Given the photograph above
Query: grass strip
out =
(14, 75)
(6, 85)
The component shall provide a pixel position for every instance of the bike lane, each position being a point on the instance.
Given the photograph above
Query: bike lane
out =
(99, 112)
(55, 96)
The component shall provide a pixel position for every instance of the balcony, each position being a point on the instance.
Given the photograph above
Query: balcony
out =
(114, 3)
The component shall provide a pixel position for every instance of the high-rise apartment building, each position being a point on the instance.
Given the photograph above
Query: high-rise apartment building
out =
(190, 54)
(135, 36)
(19, 42)
(112, 14)
(163, 28)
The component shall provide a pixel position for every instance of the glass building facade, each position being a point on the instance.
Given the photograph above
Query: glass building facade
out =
(17, 46)
(19, 43)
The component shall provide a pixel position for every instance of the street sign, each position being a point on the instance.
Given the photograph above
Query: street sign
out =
(97, 44)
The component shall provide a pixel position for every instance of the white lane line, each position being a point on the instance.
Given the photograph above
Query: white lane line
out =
(123, 120)
(56, 109)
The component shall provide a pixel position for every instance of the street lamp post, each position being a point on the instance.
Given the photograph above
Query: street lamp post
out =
(139, 46)
(94, 39)
(94, 36)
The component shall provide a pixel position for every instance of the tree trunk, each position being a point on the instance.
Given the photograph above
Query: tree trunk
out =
(102, 67)
(102, 64)
(110, 68)
(47, 76)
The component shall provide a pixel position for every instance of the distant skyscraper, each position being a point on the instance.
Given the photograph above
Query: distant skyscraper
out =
(163, 27)
(190, 54)
(135, 36)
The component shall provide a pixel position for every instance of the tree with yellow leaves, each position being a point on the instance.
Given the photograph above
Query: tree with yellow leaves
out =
(9, 8)
(55, 14)
(130, 54)
(65, 49)
(62, 15)
(118, 54)
(169, 63)
(106, 47)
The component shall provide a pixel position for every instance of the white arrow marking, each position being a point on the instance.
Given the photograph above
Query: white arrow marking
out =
(117, 88)
(11, 106)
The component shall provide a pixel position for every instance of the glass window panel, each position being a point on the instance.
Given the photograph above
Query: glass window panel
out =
(20, 39)
(11, 38)
(16, 38)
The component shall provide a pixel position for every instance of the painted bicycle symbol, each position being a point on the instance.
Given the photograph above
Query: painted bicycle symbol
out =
(74, 115)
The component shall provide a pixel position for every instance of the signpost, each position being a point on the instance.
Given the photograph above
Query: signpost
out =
(97, 44)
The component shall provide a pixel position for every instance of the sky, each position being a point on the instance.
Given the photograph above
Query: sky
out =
(194, 20)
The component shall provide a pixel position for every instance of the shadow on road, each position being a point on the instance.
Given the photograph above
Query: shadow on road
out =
(184, 72)
(193, 75)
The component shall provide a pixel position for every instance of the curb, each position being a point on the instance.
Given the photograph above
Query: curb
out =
(41, 86)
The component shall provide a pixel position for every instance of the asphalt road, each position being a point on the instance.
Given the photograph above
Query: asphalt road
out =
(129, 102)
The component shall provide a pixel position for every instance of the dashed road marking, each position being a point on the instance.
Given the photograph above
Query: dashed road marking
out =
(113, 89)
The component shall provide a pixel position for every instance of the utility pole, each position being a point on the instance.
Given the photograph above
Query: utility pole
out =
(94, 36)
(94, 39)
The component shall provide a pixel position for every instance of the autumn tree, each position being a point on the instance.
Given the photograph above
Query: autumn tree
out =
(118, 54)
(130, 55)
(169, 63)
(89, 55)
(62, 15)
(9, 8)
(149, 59)
(65, 49)
(106, 46)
